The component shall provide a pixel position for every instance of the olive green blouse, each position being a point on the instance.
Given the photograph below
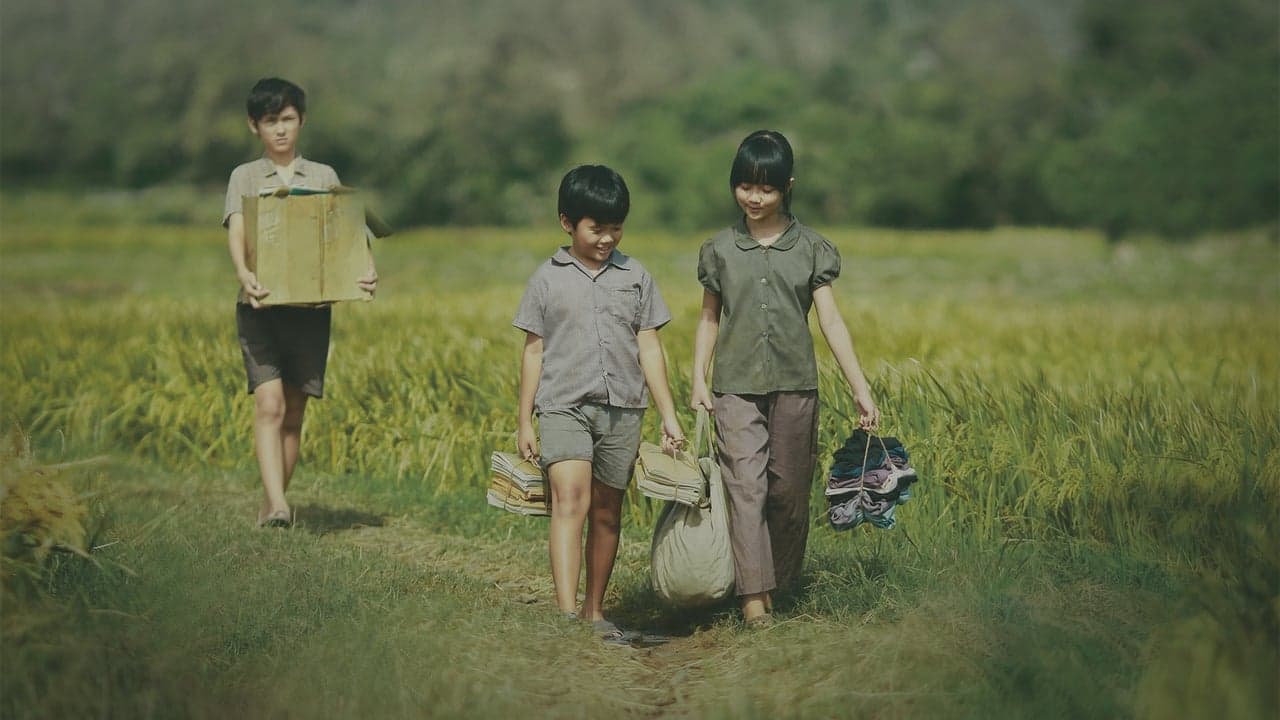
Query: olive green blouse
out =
(765, 293)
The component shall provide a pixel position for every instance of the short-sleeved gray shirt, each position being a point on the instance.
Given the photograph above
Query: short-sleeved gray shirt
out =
(765, 293)
(588, 327)
(253, 177)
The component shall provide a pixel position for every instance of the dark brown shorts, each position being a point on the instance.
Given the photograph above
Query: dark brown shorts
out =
(290, 343)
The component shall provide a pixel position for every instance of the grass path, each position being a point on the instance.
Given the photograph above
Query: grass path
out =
(368, 610)
(181, 556)
(660, 678)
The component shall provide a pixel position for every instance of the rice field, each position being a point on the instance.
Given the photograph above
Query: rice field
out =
(1096, 534)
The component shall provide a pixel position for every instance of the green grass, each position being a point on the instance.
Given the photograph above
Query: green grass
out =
(1095, 535)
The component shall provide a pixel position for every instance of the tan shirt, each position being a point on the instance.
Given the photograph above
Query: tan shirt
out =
(253, 177)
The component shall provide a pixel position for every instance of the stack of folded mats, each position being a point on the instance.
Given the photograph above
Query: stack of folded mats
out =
(670, 476)
(517, 485)
(870, 477)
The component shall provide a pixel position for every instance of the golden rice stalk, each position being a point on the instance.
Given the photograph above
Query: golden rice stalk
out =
(39, 512)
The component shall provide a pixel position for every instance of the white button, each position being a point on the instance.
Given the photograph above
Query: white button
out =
(764, 281)
(763, 306)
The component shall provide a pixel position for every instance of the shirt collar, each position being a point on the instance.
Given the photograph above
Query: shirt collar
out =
(269, 168)
(616, 259)
(787, 240)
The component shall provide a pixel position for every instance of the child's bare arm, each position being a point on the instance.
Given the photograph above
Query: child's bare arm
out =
(654, 366)
(530, 373)
(236, 245)
(704, 343)
(841, 344)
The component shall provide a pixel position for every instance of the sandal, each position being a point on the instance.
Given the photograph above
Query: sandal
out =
(280, 519)
(611, 634)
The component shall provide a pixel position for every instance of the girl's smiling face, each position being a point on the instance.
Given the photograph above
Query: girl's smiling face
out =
(759, 202)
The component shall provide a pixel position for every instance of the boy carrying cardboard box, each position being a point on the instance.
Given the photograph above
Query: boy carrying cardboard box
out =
(285, 347)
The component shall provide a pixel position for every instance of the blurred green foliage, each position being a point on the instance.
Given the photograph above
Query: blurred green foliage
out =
(1137, 116)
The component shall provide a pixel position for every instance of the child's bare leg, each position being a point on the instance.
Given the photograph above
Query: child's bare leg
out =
(295, 404)
(268, 420)
(602, 546)
(570, 499)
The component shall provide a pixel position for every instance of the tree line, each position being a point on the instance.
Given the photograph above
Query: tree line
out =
(1138, 116)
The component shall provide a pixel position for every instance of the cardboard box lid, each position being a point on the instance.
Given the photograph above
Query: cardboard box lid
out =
(377, 226)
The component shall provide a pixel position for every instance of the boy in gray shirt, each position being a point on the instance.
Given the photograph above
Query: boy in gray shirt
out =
(591, 317)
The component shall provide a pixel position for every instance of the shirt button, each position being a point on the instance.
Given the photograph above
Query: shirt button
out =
(764, 281)
(763, 306)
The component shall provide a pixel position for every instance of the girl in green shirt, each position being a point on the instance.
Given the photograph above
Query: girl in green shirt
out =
(760, 277)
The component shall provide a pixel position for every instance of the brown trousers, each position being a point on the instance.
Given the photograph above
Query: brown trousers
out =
(768, 449)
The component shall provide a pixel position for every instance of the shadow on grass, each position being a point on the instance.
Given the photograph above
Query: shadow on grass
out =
(323, 520)
(639, 608)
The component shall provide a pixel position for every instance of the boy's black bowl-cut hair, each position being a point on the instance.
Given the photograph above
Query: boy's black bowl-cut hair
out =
(271, 95)
(594, 191)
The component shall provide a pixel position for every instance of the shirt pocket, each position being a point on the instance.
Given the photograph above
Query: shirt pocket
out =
(623, 305)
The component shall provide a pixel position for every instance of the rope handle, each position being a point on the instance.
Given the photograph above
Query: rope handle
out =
(701, 436)
(701, 432)
(865, 453)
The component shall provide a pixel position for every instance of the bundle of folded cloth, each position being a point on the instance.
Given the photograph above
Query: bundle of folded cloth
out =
(670, 476)
(517, 485)
(870, 477)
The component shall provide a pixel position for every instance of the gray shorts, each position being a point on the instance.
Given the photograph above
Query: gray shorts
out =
(607, 437)
(286, 342)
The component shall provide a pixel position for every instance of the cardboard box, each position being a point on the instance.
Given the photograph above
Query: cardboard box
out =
(307, 248)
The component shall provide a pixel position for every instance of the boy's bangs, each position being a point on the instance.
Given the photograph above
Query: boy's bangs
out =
(605, 205)
(270, 96)
(760, 163)
(594, 191)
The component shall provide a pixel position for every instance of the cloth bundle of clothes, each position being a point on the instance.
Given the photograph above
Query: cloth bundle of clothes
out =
(870, 477)
(517, 485)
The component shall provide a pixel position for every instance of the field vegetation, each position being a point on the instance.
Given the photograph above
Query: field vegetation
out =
(1095, 536)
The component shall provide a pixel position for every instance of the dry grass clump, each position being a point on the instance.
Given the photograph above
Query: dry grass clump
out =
(39, 511)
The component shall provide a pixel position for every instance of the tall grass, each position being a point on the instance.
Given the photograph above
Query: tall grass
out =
(1090, 422)
(1046, 415)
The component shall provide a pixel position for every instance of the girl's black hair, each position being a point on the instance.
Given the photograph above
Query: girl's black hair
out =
(594, 191)
(764, 158)
(271, 95)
